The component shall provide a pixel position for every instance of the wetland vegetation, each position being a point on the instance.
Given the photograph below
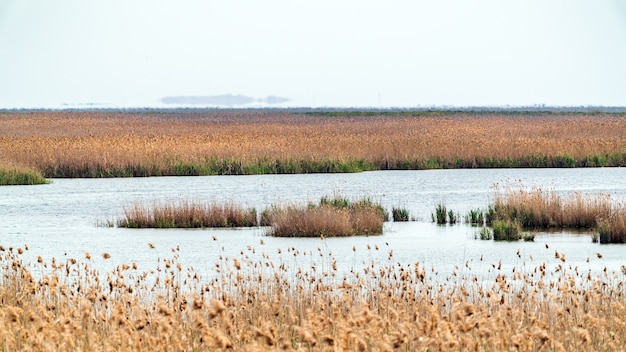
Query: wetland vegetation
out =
(516, 210)
(253, 304)
(511, 213)
(10, 176)
(330, 217)
(186, 214)
(290, 302)
(531, 209)
(233, 142)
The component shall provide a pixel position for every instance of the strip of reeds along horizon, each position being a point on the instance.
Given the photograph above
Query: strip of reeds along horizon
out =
(114, 144)
(537, 208)
(336, 217)
(251, 304)
(187, 214)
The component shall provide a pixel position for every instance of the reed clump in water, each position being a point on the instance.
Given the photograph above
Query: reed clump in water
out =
(441, 214)
(253, 304)
(13, 176)
(612, 229)
(506, 230)
(331, 217)
(187, 214)
(475, 217)
(536, 208)
(400, 214)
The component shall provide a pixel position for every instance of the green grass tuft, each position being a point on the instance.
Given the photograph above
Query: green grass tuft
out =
(400, 214)
(506, 230)
(475, 217)
(440, 215)
(484, 234)
(14, 177)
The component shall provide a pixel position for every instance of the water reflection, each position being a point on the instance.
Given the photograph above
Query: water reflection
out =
(58, 220)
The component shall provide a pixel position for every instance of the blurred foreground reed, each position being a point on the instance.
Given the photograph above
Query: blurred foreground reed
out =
(253, 304)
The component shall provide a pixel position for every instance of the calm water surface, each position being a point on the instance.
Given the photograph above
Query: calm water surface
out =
(60, 219)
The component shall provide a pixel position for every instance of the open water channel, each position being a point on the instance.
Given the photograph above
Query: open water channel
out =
(61, 219)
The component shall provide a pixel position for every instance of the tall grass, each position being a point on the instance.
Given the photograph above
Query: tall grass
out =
(331, 217)
(400, 214)
(21, 176)
(452, 217)
(506, 230)
(475, 217)
(612, 229)
(112, 144)
(537, 208)
(187, 214)
(441, 214)
(250, 304)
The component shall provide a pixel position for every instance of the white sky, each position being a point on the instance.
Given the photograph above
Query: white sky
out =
(348, 53)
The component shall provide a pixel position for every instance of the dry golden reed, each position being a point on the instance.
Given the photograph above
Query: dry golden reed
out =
(187, 214)
(70, 143)
(336, 217)
(539, 208)
(255, 304)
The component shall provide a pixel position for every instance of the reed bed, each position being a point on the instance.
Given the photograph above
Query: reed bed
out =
(187, 214)
(332, 217)
(252, 304)
(114, 144)
(537, 208)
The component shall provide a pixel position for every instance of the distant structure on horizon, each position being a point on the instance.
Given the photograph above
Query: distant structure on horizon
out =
(222, 100)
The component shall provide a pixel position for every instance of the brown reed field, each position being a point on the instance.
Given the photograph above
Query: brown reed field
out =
(332, 217)
(108, 144)
(253, 304)
(186, 214)
(537, 208)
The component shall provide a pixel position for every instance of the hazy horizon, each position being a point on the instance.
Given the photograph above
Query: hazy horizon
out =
(279, 53)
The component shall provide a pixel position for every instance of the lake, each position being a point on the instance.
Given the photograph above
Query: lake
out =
(61, 220)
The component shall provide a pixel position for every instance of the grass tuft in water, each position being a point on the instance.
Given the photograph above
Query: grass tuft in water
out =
(484, 234)
(440, 215)
(475, 217)
(187, 214)
(452, 217)
(506, 230)
(331, 217)
(612, 229)
(21, 176)
(400, 214)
